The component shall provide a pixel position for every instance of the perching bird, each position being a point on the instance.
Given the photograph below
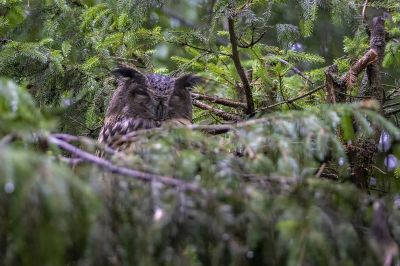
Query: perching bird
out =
(144, 101)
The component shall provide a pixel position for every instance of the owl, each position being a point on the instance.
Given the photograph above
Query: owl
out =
(144, 101)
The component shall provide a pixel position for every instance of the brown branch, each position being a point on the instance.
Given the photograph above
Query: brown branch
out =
(371, 83)
(108, 166)
(332, 84)
(219, 100)
(239, 68)
(253, 42)
(84, 140)
(208, 51)
(351, 76)
(218, 112)
(336, 87)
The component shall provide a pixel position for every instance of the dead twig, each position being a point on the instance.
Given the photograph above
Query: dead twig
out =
(218, 112)
(218, 100)
(292, 99)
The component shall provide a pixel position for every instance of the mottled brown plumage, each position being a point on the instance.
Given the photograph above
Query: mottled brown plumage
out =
(146, 101)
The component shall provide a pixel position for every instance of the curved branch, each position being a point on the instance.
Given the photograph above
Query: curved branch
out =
(110, 167)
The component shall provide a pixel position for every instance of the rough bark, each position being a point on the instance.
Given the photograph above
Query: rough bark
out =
(245, 88)
(363, 153)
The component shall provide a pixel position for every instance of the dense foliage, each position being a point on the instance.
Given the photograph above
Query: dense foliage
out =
(271, 178)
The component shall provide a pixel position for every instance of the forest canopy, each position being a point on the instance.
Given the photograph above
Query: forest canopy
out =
(291, 157)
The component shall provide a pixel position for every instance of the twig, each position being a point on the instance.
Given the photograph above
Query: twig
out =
(218, 112)
(7, 139)
(296, 70)
(363, 13)
(84, 140)
(209, 51)
(218, 100)
(253, 42)
(293, 99)
(239, 68)
(392, 112)
(107, 165)
(320, 170)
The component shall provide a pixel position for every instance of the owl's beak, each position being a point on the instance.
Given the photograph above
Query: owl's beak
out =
(160, 111)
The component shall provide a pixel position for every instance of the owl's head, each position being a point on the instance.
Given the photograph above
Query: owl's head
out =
(152, 96)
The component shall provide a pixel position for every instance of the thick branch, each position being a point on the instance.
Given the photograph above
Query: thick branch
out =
(336, 88)
(332, 84)
(218, 112)
(219, 100)
(351, 76)
(371, 84)
(239, 68)
(107, 165)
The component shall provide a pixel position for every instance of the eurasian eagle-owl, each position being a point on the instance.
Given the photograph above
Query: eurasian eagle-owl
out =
(144, 101)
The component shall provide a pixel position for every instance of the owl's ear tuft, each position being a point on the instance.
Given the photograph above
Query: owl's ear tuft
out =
(188, 81)
(124, 71)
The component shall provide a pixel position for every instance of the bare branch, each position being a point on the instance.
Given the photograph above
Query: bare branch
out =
(336, 87)
(296, 70)
(218, 112)
(219, 100)
(239, 68)
(208, 51)
(363, 13)
(107, 165)
(84, 140)
(292, 99)
(351, 76)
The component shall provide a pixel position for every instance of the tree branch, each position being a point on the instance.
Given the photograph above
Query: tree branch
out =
(218, 112)
(336, 87)
(351, 76)
(239, 68)
(107, 165)
(219, 100)
(371, 83)
(295, 70)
